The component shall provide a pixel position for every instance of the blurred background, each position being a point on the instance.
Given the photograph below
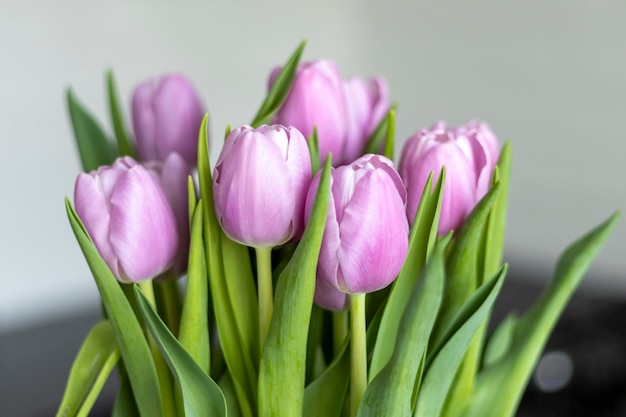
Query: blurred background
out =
(547, 75)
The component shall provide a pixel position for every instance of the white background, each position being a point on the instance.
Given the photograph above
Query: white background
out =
(548, 75)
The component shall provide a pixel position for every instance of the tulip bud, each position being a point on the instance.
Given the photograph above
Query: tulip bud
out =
(167, 115)
(260, 183)
(129, 219)
(345, 113)
(365, 238)
(172, 174)
(469, 153)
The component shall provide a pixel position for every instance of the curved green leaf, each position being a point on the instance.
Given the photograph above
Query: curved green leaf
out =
(128, 333)
(194, 323)
(201, 395)
(93, 364)
(283, 367)
(500, 341)
(238, 360)
(441, 367)
(279, 91)
(376, 143)
(390, 393)
(117, 118)
(500, 386)
(124, 405)
(422, 238)
(94, 147)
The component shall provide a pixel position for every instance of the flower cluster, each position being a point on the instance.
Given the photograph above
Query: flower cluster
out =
(320, 279)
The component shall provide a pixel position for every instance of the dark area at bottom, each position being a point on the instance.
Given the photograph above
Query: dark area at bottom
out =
(582, 371)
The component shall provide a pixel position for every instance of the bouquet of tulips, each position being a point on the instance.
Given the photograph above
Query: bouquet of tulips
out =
(320, 280)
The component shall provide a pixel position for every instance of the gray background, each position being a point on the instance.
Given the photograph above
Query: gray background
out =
(547, 75)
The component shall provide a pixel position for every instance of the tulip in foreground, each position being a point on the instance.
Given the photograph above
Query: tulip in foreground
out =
(260, 184)
(469, 153)
(366, 236)
(259, 187)
(167, 114)
(129, 219)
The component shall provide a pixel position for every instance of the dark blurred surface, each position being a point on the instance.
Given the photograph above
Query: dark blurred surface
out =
(582, 372)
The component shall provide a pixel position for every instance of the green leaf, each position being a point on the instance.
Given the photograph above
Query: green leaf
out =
(280, 90)
(93, 364)
(462, 268)
(128, 333)
(94, 147)
(314, 150)
(194, 323)
(390, 393)
(391, 134)
(201, 395)
(325, 396)
(124, 405)
(117, 118)
(442, 365)
(422, 238)
(500, 341)
(494, 234)
(375, 141)
(282, 370)
(500, 386)
(238, 361)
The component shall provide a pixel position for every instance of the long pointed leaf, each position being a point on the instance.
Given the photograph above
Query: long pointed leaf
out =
(201, 395)
(237, 359)
(423, 234)
(390, 393)
(279, 91)
(441, 370)
(499, 387)
(95, 360)
(194, 323)
(117, 118)
(94, 147)
(283, 367)
(128, 333)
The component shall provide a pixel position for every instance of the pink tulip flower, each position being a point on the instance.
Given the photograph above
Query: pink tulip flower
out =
(129, 219)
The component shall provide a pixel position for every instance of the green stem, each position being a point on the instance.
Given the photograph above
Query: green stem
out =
(340, 330)
(265, 290)
(358, 352)
(103, 375)
(165, 379)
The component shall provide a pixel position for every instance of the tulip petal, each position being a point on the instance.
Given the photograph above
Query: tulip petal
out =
(93, 209)
(374, 235)
(330, 298)
(143, 229)
(144, 121)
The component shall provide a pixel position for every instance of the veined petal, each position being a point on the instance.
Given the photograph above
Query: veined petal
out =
(143, 229)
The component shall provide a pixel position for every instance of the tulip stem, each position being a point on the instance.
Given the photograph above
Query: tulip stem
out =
(265, 290)
(340, 330)
(163, 373)
(358, 352)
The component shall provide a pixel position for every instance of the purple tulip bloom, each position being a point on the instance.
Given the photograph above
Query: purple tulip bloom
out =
(260, 183)
(167, 114)
(365, 239)
(469, 153)
(129, 219)
(345, 113)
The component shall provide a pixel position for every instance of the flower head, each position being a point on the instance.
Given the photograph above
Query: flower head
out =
(366, 234)
(260, 183)
(469, 153)
(129, 219)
